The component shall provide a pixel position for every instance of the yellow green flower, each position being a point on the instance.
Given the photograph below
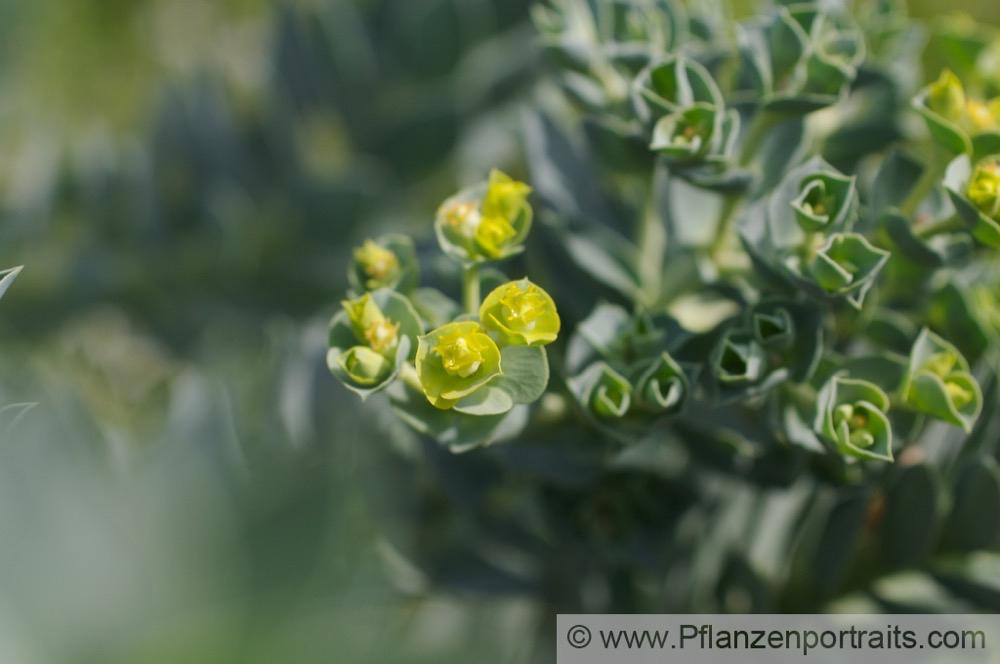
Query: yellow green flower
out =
(379, 265)
(381, 324)
(370, 325)
(938, 382)
(505, 198)
(454, 361)
(364, 367)
(492, 234)
(984, 189)
(388, 261)
(382, 336)
(488, 221)
(984, 116)
(946, 97)
(521, 313)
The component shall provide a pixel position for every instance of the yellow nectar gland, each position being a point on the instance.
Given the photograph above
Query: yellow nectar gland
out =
(382, 335)
(378, 262)
(979, 114)
(522, 306)
(461, 354)
(464, 217)
(493, 232)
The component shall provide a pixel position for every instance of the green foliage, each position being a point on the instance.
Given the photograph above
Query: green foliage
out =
(774, 298)
(759, 371)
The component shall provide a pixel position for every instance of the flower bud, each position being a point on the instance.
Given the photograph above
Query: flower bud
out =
(389, 261)
(946, 97)
(486, 222)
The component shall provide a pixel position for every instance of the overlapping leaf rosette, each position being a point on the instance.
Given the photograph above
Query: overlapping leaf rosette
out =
(622, 372)
(463, 376)
(960, 122)
(689, 125)
(797, 58)
(802, 236)
(600, 46)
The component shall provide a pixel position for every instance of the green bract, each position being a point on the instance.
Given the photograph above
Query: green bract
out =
(976, 197)
(370, 339)
(389, 261)
(603, 391)
(938, 382)
(673, 85)
(851, 414)
(847, 265)
(485, 222)
(454, 361)
(738, 359)
(361, 367)
(662, 387)
(377, 320)
(956, 121)
(825, 201)
(798, 59)
(521, 313)
(984, 189)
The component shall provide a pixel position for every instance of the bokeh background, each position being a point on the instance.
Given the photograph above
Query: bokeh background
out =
(180, 479)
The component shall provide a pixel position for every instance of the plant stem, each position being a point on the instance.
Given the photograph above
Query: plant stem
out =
(470, 289)
(760, 126)
(763, 122)
(950, 224)
(726, 214)
(930, 177)
(652, 246)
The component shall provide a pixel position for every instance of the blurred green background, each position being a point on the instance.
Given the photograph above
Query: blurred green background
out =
(184, 180)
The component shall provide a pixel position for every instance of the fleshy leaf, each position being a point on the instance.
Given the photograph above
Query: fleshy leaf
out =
(602, 391)
(847, 265)
(487, 400)
(525, 373)
(738, 359)
(663, 387)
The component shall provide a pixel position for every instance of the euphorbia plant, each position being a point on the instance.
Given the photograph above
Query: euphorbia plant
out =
(775, 262)
(479, 364)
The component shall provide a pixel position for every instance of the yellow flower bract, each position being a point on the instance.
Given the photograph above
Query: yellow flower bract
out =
(522, 303)
(376, 261)
(461, 353)
(382, 335)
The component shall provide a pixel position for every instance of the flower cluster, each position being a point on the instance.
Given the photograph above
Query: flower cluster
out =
(476, 368)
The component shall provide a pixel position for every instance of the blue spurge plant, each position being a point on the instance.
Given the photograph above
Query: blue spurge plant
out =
(462, 373)
(773, 247)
